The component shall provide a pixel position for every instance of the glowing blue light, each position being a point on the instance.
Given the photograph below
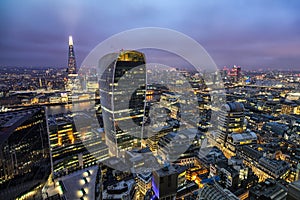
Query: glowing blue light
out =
(155, 189)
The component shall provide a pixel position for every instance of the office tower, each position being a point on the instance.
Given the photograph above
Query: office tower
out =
(239, 73)
(122, 91)
(72, 78)
(71, 58)
(74, 148)
(233, 173)
(24, 152)
(224, 74)
(230, 120)
(154, 138)
(233, 74)
(165, 182)
(144, 181)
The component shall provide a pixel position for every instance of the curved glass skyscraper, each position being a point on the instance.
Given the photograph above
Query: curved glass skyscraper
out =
(122, 91)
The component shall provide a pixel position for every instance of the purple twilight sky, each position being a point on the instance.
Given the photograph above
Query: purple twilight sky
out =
(249, 33)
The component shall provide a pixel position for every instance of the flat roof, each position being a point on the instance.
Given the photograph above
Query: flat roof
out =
(75, 183)
(10, 120)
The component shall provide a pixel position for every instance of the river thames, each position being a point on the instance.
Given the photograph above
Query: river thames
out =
(72, 107)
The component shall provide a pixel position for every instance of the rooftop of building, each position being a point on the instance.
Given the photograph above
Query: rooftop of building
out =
(215, 191)
(118, 190)
(10, 120)
(182, 135)
(234, 107)
(211, 155)
(146, 177)
(239, 137)
(251, 151)
(80, 184)
(270, 189)
(275, 164)
(170, 169)
(224, 164)
(131, 55)
(295, 184)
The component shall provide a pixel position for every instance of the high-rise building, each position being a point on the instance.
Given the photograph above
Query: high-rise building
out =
(153, 139)
(71, 58)
(239, 73)
(72, 79)
(122, 91)
(230, 120)
(24, 152)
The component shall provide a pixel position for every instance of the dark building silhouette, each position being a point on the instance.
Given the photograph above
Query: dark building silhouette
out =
(24, 151)
(293, 190)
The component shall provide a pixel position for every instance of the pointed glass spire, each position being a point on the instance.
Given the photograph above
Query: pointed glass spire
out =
(70, 40)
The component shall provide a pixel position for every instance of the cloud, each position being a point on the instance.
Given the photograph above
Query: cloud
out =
(232, 31)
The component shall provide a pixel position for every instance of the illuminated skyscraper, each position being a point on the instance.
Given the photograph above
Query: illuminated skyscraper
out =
(122, 91)
(72, 79)
(71, 58)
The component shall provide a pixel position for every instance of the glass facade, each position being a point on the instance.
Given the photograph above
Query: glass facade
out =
(24, 151)
(74, 148)
(122, 91)
(71, 58)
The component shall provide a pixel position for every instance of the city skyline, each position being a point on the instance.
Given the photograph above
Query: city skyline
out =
(148, 133)
(252, 34)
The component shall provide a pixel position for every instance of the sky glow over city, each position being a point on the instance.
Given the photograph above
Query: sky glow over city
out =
(253, 34)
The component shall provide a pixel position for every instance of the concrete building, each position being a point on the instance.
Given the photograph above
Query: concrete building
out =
(230, 120)
(268, 190)
(123, 190)
(235, 140)
(215, 191)
(165, 182)
(144, 182)
(293, 191)
(174, 145)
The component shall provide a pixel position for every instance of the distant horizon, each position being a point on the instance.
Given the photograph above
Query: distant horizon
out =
(248, 69)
